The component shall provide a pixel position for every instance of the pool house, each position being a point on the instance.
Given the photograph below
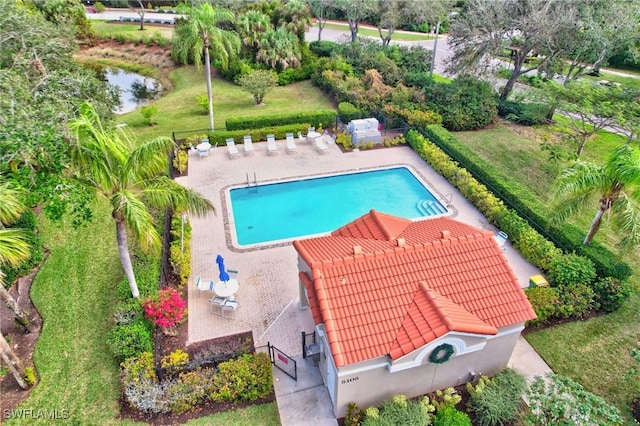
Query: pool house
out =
(408, 307)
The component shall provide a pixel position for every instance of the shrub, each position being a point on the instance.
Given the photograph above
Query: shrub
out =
(354, 415)
(29, 376)
(575, 300)
(571, 269)
(348, 112)
(147, 272)
(128, 311)
(466, 104)
(176, 359)
(324, 47)
(27, 223)
(246, 378)
(99, 7)
(449, 416)
(611, 293)
(189, 390)
(203, 102)
(315, 118)
(259, 134)
(398, 411)
(132, 339)
(498, 403)
(445, 398)
(180, 248)
(525, 113)
(165, 310)
(180, 160)
(545, 301)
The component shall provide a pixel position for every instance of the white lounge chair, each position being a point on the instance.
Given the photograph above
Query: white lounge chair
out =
(301, 138)
(291, 144)
(233, 150)
(272, 147)
(501, 238)
(203, 148)
(248, 146)
(321, 145)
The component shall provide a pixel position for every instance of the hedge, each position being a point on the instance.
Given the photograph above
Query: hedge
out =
(257, 135)
(567, 237)
(525, 113)
(325, 117)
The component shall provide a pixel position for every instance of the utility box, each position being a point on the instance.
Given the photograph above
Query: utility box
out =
(364, 131)
(538, 281)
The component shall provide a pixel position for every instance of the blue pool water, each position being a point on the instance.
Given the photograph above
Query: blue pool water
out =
(287, 210)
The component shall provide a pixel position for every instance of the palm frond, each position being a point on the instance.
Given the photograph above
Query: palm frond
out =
(130, 208)
(149, 159)
(13, 246)
(626, 219)
(10, 205)
(164, 192)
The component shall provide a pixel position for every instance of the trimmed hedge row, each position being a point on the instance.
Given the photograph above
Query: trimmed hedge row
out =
(525, 113)
(568, 237)
(257, 135)
(326, 118)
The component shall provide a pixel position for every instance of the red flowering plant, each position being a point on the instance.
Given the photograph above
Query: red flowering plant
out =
(167, 310)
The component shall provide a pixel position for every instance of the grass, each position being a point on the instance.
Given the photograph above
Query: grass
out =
(179, 111)
(106, 29)
(372, 32)
(575, 348)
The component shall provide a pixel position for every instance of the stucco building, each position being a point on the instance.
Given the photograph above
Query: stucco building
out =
(405, 307)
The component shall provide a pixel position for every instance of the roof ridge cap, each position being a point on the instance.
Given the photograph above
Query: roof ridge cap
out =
(375, 216)
(432, 297)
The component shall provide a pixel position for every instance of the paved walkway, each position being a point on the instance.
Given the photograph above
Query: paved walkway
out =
(268, 279)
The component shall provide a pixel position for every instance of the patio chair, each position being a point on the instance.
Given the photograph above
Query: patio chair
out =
(248, 145)
(217, 304)
(203, 285)
(203, 148)
(272, 147)
(233, 274)
(229, 308)
(302, 138)
(233, 150)
(291, 144)
(321, 145)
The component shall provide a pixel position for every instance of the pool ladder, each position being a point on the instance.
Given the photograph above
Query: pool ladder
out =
(255, 182)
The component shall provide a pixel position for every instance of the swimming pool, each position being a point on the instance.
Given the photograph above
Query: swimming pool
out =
(287, 210)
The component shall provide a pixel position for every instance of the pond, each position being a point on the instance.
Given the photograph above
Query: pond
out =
(135, 89)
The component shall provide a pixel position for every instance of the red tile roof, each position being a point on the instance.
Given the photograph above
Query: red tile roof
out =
(384, 285)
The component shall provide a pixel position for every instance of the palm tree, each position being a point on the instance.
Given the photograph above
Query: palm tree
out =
(297, 18)
(251, 25)
(616, 184)
(280, 49)
(200, 35)
(13, 250)
(132, 178)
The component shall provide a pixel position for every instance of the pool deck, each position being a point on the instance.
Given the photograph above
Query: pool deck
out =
(268, 293)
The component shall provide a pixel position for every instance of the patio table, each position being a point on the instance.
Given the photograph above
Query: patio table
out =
(226, 288)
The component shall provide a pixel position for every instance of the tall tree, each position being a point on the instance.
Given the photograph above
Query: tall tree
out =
(320, 9)
(199, 36)
(484, 30)
(280, 49)
(132, 178)
(251, 27)
(615, 185)
(589, 107)
(390, 16)
(13, 250)
(296, 17)
(354, 11)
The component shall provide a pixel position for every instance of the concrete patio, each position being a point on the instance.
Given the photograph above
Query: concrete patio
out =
(268, 293)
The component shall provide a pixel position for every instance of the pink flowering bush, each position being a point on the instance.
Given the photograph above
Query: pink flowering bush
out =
(167, 310)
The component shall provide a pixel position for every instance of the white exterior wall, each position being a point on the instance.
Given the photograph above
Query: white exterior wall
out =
(371, 382)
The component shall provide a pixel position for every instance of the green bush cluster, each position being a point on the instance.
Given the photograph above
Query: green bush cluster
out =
(449, 416)
(147, 271)
(347, 112)
(324, 117)
(257, 135)
(575, 272)
(399, 411)
(247, 378)
(567, 236)
(180, 248)
(324, 48)
(525, 113)
(99, 7)
(130, 339)
(27, 223)
(497, 401)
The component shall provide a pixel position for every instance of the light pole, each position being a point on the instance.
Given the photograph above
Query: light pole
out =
(435, 43)
(435, 47)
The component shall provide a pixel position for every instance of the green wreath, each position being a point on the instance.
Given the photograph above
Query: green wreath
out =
(441, 354)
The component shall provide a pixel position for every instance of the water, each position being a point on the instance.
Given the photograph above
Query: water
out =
(135, 89)
(288, 210)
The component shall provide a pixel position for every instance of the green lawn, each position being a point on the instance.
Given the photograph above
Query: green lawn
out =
(372, 32)
(106, 29)
(594, 352)
(179, 111)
